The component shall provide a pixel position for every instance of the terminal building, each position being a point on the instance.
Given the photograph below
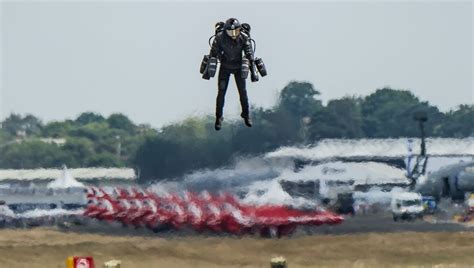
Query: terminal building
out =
(366, 167)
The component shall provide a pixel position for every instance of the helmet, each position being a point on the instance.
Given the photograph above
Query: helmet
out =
(232, 27)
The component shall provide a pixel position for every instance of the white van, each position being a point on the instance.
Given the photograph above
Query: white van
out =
(407, 206)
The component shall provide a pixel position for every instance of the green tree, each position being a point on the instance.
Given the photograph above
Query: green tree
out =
(459, 122)
(15, 123)
(93, 131)
(105, 160)
(341, 118)
(58, 129)
(158, 158)
(299, 99)
(5, 137)
(297, 102)
(389, 113)
(187, 131)
(120, 121)
(271, 129)
(89, 117)
(33, 154)
(79, 150)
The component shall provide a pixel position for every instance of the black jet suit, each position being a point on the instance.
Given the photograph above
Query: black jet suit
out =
(229, 52)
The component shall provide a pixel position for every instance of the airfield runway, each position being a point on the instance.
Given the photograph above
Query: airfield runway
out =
(371, 241)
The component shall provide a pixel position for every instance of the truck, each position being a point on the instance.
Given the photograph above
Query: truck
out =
(407, 206)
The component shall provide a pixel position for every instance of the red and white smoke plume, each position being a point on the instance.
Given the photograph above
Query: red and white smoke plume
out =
(220, 213)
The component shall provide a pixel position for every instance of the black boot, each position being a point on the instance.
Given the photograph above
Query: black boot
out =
(247, 121)
(218, 123)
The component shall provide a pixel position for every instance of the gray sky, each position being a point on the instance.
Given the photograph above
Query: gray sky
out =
(142, 58)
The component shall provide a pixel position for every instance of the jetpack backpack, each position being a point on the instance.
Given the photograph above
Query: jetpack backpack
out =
(209, 64)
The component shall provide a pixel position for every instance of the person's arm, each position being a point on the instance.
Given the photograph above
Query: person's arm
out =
(211, 67)
(248, 51)
(215, 48)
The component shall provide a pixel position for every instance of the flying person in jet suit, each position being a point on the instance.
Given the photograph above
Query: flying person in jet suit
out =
(232, 47)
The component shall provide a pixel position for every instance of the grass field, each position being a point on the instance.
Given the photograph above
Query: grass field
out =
(48, 248)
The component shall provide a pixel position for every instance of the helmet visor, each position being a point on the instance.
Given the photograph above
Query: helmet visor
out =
(233, 33)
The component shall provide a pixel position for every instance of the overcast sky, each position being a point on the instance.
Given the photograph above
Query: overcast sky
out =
(142, 58)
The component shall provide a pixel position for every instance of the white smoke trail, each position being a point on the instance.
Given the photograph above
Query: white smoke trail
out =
(37, 213)
(243, 172)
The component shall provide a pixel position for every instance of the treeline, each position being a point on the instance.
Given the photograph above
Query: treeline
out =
(88, 141)
(299, 117)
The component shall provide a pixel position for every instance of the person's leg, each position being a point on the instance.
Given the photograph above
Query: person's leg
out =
(244, 101)
(222, 83)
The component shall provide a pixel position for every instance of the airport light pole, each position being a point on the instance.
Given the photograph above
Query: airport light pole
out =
(421, 117)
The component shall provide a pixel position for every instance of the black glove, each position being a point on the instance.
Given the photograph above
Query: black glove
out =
(254, 77)
(253, 73)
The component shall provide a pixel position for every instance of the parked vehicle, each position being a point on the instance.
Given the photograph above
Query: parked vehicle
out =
(406, 206)
(430, 205)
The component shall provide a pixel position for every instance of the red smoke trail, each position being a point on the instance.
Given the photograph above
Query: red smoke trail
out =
(201, 212)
